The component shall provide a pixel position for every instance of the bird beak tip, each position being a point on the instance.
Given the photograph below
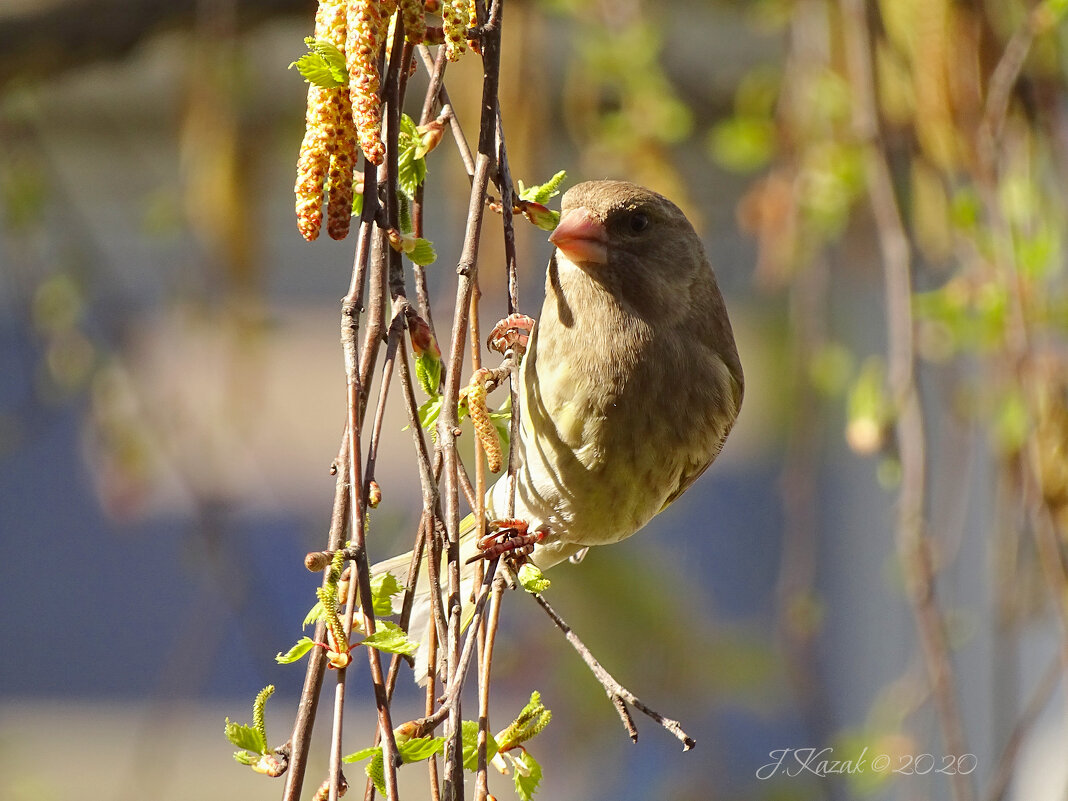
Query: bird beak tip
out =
(581, 237)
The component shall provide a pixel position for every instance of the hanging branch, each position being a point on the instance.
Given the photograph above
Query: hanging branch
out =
(377, 278)
(912, 540)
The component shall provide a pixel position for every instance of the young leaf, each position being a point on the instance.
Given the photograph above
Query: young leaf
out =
(411, 166)
(429, 411)
(315, 614)
(422, 252)
(246, 758)
(469, 735)
(502, 421)
(323, 64)
(296, 653)
(246, 737)
(420, 748)
(391, 638)
(527, 775)
(383, 587)
(532, 579)
(362, 754)
(540, 193)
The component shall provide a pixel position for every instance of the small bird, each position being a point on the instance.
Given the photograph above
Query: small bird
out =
(629, 386)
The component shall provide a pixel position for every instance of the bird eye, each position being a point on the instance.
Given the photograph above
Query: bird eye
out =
(638, 222)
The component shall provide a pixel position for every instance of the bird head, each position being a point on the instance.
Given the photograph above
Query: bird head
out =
(635, 243)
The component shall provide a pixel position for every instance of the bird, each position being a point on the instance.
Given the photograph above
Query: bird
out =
(629, 385)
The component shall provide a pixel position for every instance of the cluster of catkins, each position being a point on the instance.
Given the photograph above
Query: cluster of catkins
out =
(340, 117)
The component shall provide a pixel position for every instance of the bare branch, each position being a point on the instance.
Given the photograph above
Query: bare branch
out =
(912, 540)
(619, 695)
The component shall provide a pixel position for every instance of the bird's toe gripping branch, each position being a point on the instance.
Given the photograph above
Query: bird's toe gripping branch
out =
(511, 332)
(509, 538)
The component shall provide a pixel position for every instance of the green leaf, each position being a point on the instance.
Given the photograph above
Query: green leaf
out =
(408, 126)
(502, 421)
(323, 64)
(315, 614)
(383, 587)
(245, 737)
(540, 193)
(469, 736)
(246, 758)
(296, 653)
(422, 253)
(429, 411)
(411, 166)
(527, 775)
(532, 579)
(391, 638)
(420, 748)
(362, 754)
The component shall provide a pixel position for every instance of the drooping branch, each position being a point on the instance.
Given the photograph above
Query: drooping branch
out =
(912, 539)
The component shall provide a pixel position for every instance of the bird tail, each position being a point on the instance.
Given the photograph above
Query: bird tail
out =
(421, 618)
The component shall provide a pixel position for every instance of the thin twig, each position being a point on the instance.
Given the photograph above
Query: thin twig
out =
(1039, 699)
(448, 421)
(912, 539)
(1002, 81)
(316, 669)
(619, 695)
(433, 68)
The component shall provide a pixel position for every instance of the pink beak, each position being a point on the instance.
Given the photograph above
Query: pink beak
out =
(581, 237)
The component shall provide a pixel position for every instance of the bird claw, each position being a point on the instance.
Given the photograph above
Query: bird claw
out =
(511, 332)
(509, 538)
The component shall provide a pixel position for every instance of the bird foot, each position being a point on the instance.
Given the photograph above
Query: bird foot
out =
(509, 538)
(511, 332)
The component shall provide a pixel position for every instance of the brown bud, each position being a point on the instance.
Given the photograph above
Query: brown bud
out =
(540, 215)
(271, 765)
(429, 136)
(422, 337)
(316, 561)
(374, 494)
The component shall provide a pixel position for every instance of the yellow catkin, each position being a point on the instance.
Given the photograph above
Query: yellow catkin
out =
(475, 394)
(454, 19)
(367, 21)
(342, 164)
(325, 125)
(472, 23)
(343, 147)
(414, 20)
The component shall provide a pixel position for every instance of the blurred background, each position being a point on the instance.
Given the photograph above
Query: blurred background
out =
(172, 393)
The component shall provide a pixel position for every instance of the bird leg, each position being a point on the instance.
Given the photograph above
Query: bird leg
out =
(509, 538)
(511, 332)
